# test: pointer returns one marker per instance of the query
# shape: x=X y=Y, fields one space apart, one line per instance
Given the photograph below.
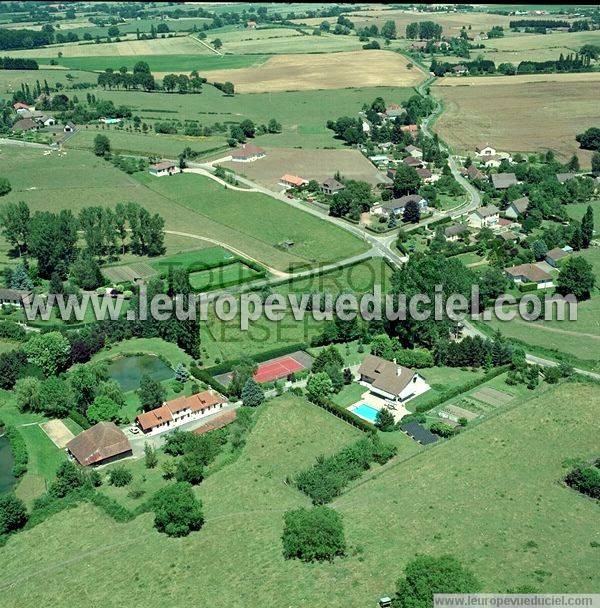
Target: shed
x=102 y=443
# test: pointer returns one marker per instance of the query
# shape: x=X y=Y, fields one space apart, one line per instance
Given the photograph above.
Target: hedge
x=80 y=419
x=444 y=220
x=204 y=376
x=18 y=448
x=463 y=388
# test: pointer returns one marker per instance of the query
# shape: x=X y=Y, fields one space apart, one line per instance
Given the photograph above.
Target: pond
x=7 y=479
x=128 y=371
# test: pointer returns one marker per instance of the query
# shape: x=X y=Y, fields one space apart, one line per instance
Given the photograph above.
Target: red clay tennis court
x=277 y=368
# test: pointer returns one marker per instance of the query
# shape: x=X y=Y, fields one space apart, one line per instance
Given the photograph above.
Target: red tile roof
x=217 y=423
x=293 y=179
x=100 y=442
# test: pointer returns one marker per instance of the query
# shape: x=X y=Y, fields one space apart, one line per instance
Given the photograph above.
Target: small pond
x=128 y=371
x=7 y=479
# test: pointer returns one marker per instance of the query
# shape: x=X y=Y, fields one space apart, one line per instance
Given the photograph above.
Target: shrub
x=442 y=429
x=18 y=447
x=119 y=476
x=315 y=534
x=69 y=477
x=13 y=514
x=177 y=512
x=585 y=479
x=190 y=468
x=385 y=420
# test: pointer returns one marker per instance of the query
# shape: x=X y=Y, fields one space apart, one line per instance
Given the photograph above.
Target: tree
x=5 y=186
x=85 y=272
x=539 y=249
x=26 y=393
x=150 y=457
x=13 y=514
x=84 y=381
x=53 y=241
x=14 y=222
x=412 y=213
x=576 y=276
x=69 y=477
x=101 y=145
x=388 y=30
x=241 y=372
x=587 y=227
x=190 y=468
x=406 y=180
x=216 y=43
x=573 y=164
x=177 y=512
x=596 y=163
x=590 y=139
x=119 y=476
x=54 y=397
x=385 y=420
x=20 y=279
x=103 y=408
x=315 y=534
x=252 y=393
x=49 y=351
x=150 y=393
x=319 y=387
x=426 y=575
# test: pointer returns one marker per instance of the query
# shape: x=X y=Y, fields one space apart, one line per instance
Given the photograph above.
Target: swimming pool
x=366 y=412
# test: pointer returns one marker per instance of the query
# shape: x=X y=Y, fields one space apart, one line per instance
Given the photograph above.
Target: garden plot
x=58 y=433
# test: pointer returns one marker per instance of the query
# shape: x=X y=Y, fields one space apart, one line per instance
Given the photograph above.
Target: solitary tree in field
x=101 y=145
x=177 y=512
x=576 y=277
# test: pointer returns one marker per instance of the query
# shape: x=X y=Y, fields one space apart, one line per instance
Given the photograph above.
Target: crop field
x=526 y=117
x=326 y=71
x=515 y=532
x=178 y=45
x=10 y=80
x=310 y=164
x=302 y=114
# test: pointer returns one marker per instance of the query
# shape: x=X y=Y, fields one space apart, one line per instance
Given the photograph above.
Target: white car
x=134 y=430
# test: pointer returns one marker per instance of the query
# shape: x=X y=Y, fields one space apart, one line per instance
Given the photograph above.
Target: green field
x=10 y=80
x=511 y=524
x=215 y=278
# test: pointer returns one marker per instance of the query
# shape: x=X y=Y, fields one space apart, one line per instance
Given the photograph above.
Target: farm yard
x=310 y=164
x=326 y=71
x=524 y=117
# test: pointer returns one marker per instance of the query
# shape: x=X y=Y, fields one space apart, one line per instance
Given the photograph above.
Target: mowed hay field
x=179 y=45
x=310 y=164
x=328 y=71
x=476 y=496
x=524 y=117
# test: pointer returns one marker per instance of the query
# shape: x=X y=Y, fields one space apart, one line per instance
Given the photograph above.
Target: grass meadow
x=476 y=496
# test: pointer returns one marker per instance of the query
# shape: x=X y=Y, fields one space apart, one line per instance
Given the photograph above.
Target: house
x=554 y=256
x=529 y=273
x=413 y=162
x=47 y=121
x=517 y=208
x=251 y=25
x=389 y=380
x=393 y=111
x=414 y=151
x=460 y=69
x=178 y=411
x=472 y=172
x=20 y=106
x=292 y=181
x=565 y=177
x=247 y=153
x=454 y=232
x=29 y=114
x=485 y=150
x=331 y=186
x=15 y=297
x=100 y=444
x=412 y=129
x=484 y=217
x=380 y=159
x=25 y=124
x=419 y=433
x=166 y=167
x=397 y=205
x=491 y=162
x=418 y=46
x=426 y=175
x=502 y=181
x=391 y=173
x=508 y=237
x=218 y=422
x=69 y=128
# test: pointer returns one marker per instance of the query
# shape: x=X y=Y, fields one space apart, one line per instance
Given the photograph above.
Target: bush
x=119 y=476
x=190 y=468
x=13 y=514
x=442 y=429
x=315 y=534
x=177 y=512
x=585 y=479
x=18 y=447
x=385 y=420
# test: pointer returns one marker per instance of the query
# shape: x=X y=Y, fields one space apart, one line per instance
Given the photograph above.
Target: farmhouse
x=25 y=124
x=460 y=69
x=502 y=181
x=472 y=172
x=529 y=273
x=47 y=121
x=20 y=106
x=517 y=208
x=69 y=128
x=554 y=256
x=179 y=411
x=103 y=443
x=15 y=297
x=485 y=150
x=389 y=380
x=247 y=153
x=454 y=232
x=484 y=217
x=508 y=237
x=166 y=167
x=331 y=186
x=413 y=162
x=414 y=151
x=292 y=181
x=412 y=129
x=426 y=175
x=491 y=162
x=393 y=111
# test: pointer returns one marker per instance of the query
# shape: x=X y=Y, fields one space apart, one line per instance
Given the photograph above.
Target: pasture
x=10 y=80
x=310 y=164
x=325 y=71
x=523 y=526
x=520 y=117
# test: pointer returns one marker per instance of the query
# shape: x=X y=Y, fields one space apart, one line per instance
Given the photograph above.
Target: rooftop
x=387 y=375
x=531 y=272
x=502 y=181
x=103 y=440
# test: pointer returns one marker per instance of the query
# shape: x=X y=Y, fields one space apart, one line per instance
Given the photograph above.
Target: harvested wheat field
x=327 y=71
x=484 y=81
x=527 y=117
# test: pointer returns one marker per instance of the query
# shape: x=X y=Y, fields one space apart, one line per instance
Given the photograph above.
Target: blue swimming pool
x=366 y=412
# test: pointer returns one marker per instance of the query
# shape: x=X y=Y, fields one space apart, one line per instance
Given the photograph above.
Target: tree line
x=18 y=63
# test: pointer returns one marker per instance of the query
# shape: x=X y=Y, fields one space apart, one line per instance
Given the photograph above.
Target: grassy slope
x=477 y=496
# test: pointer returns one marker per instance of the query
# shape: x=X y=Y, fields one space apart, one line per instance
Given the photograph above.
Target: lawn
x=153 y=346
x=349 y=394
x=216 y=278
x=475 y=496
